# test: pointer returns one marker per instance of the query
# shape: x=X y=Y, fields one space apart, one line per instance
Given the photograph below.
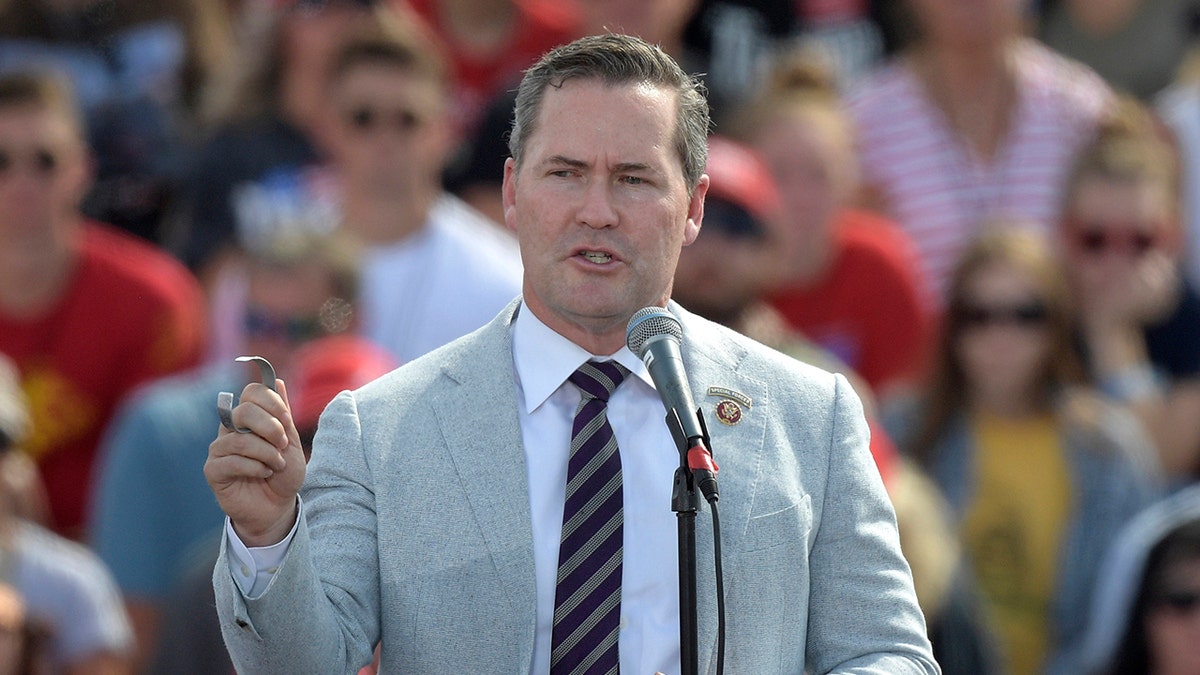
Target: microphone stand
x=685 y=502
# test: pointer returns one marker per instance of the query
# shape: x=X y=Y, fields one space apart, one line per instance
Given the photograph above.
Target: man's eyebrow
x=633 y=167
x=620 y=167
x=559 y=160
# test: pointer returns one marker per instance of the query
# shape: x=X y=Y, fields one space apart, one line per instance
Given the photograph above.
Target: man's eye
x=633 y=180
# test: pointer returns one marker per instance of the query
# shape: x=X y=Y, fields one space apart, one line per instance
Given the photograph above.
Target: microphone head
x=648 y=323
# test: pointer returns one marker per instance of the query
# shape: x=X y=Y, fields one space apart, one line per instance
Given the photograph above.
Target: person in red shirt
x=86 y=312
x=847 y=279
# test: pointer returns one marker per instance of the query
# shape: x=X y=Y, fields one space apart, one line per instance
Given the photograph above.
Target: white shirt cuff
x=253 y=568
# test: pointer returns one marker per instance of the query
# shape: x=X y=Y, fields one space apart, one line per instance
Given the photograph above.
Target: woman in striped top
x=972 y=122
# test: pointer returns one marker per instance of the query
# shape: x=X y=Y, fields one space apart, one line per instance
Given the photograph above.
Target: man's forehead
x=643 y=113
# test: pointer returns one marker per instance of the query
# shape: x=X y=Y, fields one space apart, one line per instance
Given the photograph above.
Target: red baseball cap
x=327 y=366
x=738 y=176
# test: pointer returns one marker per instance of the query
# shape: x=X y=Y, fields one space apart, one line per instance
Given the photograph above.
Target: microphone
x=655 y=336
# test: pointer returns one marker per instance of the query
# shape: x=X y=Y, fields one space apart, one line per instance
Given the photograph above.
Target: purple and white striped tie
x=587 y=602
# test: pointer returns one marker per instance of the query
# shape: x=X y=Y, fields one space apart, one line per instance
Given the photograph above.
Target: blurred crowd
x=985 y=212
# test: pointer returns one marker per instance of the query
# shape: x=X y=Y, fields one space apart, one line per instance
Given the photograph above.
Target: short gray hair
x=618 y=59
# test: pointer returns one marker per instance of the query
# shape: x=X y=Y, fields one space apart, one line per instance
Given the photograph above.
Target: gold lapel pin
x=729 y=408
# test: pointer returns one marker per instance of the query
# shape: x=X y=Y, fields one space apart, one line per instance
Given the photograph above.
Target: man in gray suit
x=441 y=514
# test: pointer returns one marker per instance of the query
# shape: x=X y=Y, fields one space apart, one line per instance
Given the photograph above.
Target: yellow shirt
x=1013 y=530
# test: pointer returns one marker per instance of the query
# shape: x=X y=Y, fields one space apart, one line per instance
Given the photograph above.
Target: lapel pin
x=729 y=409
x=729 y=412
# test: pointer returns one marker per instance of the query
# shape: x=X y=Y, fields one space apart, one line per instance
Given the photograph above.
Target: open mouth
x=597 y=257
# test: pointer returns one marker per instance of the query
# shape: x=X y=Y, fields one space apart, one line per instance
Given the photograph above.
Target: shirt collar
x=544 y=359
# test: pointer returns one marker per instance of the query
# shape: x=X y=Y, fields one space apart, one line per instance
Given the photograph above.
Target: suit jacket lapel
x=712 y=361
x=478 y=418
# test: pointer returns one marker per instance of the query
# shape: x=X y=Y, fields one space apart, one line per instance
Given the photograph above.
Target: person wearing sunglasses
x=152 y=512
x=434 y=269
x=263 y=120
x=87 y=312
x=1139 y=318
x=1146 y=612
x=1039 y=471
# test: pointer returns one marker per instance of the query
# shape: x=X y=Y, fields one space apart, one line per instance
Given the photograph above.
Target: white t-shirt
x=67 y=589
x=441 y=283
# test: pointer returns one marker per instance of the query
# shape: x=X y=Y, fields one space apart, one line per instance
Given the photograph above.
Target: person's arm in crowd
x=1115 y=338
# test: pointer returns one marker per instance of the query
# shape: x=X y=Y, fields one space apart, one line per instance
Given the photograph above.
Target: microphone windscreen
x=651 y=322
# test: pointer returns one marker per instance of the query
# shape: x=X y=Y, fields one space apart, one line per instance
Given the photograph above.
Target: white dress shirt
x=543 y=360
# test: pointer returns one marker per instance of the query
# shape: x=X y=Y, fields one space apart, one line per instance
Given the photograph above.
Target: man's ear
x=695 y=211
x=509 y=194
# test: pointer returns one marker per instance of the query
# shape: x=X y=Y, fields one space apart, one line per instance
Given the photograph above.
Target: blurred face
x=389 y=136
x=1114 y=225
x=1003 y=339
x=1172 y=622
x=284 y=311
x=810 y=157
x=43 y=175
x=1122 y=246
x=600 y=208
x=719 y=274
x=968 y=23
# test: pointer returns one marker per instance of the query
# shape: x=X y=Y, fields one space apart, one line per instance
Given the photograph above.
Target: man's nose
x=597 y=209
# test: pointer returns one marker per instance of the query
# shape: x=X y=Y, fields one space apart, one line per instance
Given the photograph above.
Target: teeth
x=597 y=257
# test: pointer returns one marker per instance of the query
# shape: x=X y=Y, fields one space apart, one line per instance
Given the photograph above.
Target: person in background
x=1146 y=609
x=87 y=312
x=1039 y=471
x=847 y=279
x=1139 y=317
x=71 y=620
x=970 y=122
x=258 y=168
x=151 y=512
x=437 y=518
x=722 y=276
x=140 y=70
x=433 y=268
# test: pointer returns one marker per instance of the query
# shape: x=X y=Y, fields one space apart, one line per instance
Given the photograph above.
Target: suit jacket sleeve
x=863 y=614
x=307 y=622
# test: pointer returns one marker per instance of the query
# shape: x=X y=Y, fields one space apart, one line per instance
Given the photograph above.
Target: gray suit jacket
x=417 y=527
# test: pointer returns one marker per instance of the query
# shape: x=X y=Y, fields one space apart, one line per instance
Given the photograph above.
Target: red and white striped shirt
x=938 y=188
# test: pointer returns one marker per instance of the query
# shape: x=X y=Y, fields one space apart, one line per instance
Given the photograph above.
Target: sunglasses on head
x=41 y=160
x=1025 y=314
x=366 y=119
x=1129 y=239
x=1179 y=602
